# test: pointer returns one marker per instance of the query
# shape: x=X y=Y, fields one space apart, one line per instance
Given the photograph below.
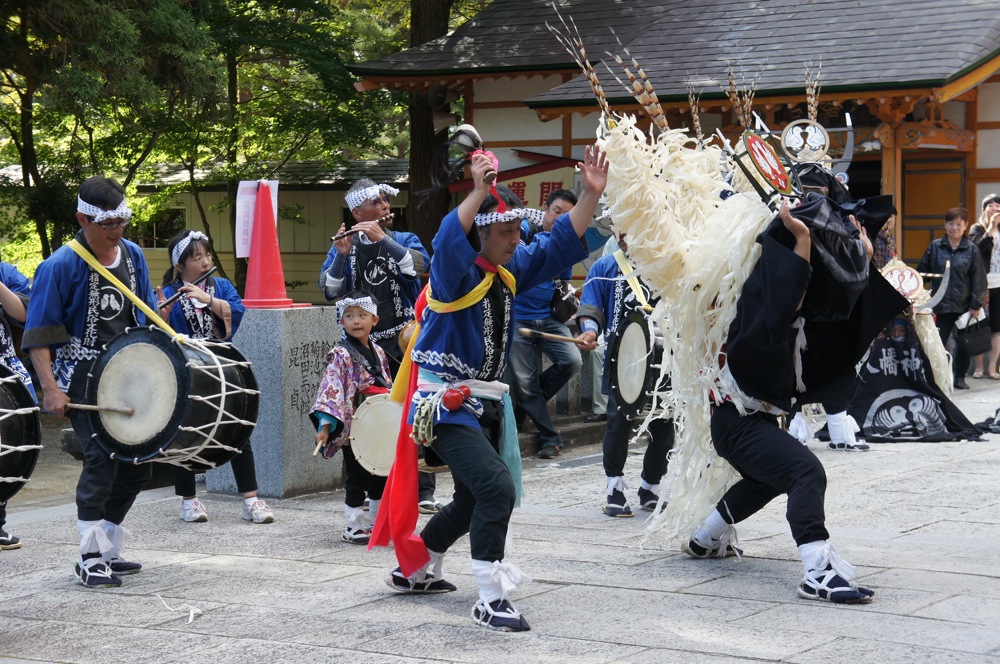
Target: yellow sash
x=400 y=385
x=474 y=295
x=633 y=282
x=127 y=292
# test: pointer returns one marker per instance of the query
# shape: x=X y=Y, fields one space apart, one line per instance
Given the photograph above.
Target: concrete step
x=574 y=430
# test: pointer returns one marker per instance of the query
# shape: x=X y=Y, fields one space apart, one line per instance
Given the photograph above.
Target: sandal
x=830 y=586
x=978 y=374
x=995 y=376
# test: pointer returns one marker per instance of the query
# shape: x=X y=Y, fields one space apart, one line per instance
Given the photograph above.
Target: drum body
x=635 y=365
x=195 y=401
x=20 y=434
x=374 y=430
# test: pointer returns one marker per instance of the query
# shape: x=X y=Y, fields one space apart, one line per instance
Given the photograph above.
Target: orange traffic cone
x=265 y=276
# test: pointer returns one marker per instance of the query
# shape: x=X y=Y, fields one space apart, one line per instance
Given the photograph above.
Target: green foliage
x=232 y=88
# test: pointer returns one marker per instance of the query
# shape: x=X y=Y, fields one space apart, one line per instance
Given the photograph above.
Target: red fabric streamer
x=397 y=513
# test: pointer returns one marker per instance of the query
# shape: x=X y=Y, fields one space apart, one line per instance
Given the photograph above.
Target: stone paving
x=921 y=522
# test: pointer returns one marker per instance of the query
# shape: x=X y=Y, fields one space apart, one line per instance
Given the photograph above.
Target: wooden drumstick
x=103 y=409
x=553 y=337
x=176 y=296
x=319 y=446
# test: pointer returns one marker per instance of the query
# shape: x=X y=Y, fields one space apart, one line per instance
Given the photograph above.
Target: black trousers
x=616 y=436
x=107 y=488
x=771 y=463
x=244 y=471
x=358 y=482
x=945 y=325
x=484 y=491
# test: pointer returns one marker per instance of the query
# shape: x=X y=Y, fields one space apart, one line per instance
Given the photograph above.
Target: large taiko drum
x=195 y=401
x=20 y=434
x=374 y=430
x=635 y=358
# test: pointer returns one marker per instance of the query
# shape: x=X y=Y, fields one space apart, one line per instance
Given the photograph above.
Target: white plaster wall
x=982 y=189
x=509 y=124
x=988 y=148
x=512 y=89
x=989 y=102
x=955 y=111
x=585 y=125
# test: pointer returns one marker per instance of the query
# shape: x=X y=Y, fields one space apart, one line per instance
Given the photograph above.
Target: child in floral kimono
x=356 y=368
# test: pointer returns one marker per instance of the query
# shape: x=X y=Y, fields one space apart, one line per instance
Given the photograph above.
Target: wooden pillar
x=892 y=175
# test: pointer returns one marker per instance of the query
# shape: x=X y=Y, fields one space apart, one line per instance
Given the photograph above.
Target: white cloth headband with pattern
x=121 y=212
x=359 y=197
x=175 y=255
x=365 y=303
x=534 y=216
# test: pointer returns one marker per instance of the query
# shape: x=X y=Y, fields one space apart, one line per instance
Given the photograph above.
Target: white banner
x=246 y=203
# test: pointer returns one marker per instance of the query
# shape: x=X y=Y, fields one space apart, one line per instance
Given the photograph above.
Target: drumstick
x=105 y=409
x=319 y=446
x=341 y=236
x=554 y=337
x=176 y=296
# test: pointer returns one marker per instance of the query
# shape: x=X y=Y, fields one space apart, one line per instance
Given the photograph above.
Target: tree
x=89 y=86
x=428 y=20
x=288 y=95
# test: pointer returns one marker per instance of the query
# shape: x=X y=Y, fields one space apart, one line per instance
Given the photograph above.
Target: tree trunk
x=428 y=20
x=232 y=74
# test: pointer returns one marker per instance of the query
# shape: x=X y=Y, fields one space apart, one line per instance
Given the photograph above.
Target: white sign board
x=246 y=204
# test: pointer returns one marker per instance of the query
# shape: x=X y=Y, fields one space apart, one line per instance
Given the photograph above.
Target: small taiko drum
x=374 y=430
x=20 y=434
x=635 y=358
x=195 y=402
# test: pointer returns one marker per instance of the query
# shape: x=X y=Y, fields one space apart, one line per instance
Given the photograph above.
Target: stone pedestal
x=287 y=348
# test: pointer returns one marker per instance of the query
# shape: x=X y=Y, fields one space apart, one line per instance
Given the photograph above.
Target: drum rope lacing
x=215 y=401
x=6 y=449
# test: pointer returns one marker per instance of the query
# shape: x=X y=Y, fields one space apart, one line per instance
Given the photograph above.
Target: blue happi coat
x=185 y=317
x=19 y=285
x=453 y=345
x=65 y=307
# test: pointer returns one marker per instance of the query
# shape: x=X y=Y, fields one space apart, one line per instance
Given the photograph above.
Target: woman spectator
x=966 y=284
x=984 y=234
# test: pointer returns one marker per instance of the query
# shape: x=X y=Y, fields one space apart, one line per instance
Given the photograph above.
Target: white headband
x=175 y=255
x=99 y=215
x=359 y=197
x=534 y=216
x=365 y=303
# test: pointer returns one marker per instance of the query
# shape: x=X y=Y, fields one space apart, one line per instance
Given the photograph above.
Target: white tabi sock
x=436 y=564
x=93 y=539
x=800 y=429
x=372 y=513
x=496 y=579
x=616 y=483
x=117 y=536
x=820 y=554
x=711 y=530
x=835 y=423
x=354 y=517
